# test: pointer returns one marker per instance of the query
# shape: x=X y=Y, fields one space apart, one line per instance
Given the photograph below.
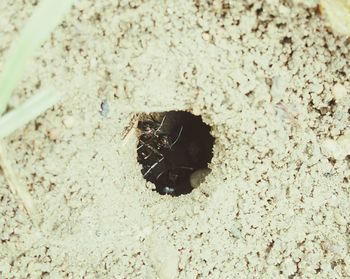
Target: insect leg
x=142 y=145
x=146 y=157
x=153 y=166
x=151 y=148
x=159 y=175
x=185 y=168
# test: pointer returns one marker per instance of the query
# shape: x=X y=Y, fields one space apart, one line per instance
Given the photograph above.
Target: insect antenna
x=160 y=126
x=178 y=137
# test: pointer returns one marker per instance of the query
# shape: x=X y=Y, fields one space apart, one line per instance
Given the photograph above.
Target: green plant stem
x=28 y=111
x=45 y=18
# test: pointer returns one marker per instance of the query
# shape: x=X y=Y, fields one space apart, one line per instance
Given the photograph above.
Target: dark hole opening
x=173 y=146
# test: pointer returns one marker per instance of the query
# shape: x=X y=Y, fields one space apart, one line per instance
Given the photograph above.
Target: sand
x=270 y=78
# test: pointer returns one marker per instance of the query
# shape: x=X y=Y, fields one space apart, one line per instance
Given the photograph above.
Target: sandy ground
x=271 y=80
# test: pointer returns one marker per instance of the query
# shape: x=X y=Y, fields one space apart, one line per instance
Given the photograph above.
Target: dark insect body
x=168 y=151
x=155 y=145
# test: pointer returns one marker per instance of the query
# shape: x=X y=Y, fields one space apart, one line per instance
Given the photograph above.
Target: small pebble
x=198 y=177
x=344 y=143
x=339 y=219
x=68 y=121
x=338 y=149
x=53 y=134
x=104 y=108
x=206 y=36
x=339 y=91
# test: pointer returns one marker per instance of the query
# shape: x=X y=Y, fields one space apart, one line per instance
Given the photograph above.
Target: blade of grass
x=16 y=187
x=45 y=18
x=28 y=111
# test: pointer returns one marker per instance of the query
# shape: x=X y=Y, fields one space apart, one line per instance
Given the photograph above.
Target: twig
x=127 y=134
x=16 y=187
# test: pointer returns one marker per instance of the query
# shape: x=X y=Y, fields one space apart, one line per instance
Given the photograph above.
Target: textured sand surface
x=271 y=80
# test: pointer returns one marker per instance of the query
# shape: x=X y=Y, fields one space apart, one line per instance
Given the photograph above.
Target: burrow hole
x=174 y=149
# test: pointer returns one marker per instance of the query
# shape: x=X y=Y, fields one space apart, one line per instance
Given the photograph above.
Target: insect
x=171 y=146
x=151 y=127
x=153 y=133
x=157 y=139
